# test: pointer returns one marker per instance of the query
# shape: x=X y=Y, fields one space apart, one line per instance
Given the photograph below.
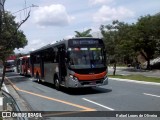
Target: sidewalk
x=12 y=101
x=133 y=71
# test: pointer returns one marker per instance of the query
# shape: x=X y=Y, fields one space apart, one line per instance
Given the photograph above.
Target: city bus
x=72 y=63
x=23 y=65
x=10 y=66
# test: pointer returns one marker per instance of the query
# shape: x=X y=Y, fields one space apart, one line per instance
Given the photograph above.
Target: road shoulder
x=134 y=81
x=22 y=104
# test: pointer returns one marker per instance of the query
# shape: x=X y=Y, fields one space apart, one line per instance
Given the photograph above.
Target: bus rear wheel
x=57 y=84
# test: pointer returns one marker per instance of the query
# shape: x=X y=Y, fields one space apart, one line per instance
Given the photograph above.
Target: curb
x=135 y=81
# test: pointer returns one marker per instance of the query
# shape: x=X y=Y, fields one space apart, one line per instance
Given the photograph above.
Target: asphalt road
x=117 y=96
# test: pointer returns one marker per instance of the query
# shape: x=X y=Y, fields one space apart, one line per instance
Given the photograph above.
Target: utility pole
x=1 y=18
x=1 y=9
x=1 y=15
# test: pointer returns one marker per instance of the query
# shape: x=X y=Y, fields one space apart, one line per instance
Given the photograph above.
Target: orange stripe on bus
x=91 y=76
x=37 y=69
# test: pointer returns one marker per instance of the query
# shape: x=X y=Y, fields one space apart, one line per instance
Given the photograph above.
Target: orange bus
x=23 y=65
x=77 y=62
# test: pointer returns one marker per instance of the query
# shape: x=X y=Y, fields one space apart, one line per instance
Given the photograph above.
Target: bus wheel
x=57 y=84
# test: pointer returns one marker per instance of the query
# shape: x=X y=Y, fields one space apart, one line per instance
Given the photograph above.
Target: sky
x=55 y=20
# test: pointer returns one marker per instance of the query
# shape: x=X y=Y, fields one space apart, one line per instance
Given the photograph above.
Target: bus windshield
x=10 y=63
x=80 y=58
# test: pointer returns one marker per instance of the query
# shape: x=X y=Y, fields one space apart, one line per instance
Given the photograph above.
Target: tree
x=118 y=42
x=10 y=35
x=126 y=40
x=109 y=36
x=147 y=36
x=84 y=33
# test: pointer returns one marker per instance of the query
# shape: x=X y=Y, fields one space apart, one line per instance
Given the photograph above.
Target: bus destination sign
x=85 y=42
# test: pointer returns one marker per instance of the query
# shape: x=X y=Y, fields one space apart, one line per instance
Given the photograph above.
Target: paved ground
x=117 y=96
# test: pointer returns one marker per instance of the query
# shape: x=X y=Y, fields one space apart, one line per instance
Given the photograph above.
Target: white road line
x=98 y=104
x=1 y=101
x=5 y=88
x=151 y=95
x=31 y=79
x=135 y=81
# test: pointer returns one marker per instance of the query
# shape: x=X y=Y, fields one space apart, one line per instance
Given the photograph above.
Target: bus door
x=42 y=66
x=20 y=66
x=62 y=64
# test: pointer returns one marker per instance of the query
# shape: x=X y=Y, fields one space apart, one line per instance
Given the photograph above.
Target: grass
x=137 y=77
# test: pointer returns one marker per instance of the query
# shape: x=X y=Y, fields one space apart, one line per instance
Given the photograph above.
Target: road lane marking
x=98 y=104
x=5 y=88
x=1 y=101
x=52 y=99
x=151 y=95
x=134 y=81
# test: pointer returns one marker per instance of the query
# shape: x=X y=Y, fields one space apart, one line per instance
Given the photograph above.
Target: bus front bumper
x=75 y=83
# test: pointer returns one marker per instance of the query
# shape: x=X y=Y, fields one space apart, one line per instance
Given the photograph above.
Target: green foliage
x=147 y=38
x=124 y=40
x=11 y=37
x=84 y=33
x=118 y=41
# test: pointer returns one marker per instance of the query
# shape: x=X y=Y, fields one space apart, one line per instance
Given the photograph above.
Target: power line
x=25 y=8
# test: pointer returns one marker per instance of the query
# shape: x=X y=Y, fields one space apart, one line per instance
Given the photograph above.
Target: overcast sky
x=55 y=20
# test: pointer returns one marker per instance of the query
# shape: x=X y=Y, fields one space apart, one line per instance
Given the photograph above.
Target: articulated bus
x=72 y=63
x=23 y=65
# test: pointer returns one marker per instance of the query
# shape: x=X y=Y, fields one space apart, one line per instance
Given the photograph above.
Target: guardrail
x=9 y=104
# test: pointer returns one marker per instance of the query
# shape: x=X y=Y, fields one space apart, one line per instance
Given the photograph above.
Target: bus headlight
x=73 y=77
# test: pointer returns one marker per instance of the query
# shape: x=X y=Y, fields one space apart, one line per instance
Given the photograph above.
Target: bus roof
x=60 y=43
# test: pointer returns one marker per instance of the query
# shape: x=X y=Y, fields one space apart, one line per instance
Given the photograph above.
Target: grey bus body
x=57 y=64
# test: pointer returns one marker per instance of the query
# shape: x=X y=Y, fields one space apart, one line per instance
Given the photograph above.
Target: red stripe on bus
x=90 y=76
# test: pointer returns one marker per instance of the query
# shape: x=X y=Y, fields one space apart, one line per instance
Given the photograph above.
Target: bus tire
x=57 y=84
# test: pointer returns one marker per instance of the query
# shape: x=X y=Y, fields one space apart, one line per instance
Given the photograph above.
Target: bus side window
x=48 y=55
x=53 y=57
x=56 y=55
x=37 y=59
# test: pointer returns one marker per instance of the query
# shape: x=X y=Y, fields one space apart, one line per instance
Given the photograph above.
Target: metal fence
x=9 y=104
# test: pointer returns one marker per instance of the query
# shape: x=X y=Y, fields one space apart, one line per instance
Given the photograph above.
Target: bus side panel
x=49 y=71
